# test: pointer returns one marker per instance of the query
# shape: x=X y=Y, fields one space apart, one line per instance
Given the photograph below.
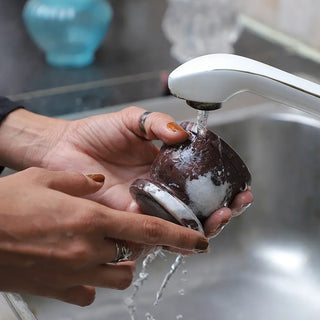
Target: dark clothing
x=7 y=106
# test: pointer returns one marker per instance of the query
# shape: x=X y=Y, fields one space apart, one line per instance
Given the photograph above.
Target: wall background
x=297 y=18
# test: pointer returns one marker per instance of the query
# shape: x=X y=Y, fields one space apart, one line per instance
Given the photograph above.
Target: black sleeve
x=7 y=106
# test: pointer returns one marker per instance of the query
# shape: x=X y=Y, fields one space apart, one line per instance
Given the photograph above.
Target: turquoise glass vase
x=68 y=31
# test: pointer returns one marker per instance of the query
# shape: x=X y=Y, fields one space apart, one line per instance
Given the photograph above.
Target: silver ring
x=123 y=251
x=142 y=120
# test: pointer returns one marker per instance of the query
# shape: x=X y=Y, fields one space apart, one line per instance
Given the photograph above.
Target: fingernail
x=202 y=244
x=173 y=126
x=97 y=177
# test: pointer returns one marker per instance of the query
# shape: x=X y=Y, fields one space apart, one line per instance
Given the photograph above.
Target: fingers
x=153 y=126
x=81 y=285
x=76 y=184
x=78 y=295
x=114 y=276
x=72 y=183
x=241 y=202
x=217 y=221
x=149 y=230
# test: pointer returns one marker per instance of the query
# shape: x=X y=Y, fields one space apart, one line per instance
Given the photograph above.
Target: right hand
x=55 y=244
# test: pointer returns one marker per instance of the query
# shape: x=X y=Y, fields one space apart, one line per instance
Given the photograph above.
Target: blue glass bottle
x=68 y=31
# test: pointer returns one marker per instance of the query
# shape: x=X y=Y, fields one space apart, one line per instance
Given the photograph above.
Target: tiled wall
x=298 y=18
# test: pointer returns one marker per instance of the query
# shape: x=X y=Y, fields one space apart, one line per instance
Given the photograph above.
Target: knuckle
x=78 y=255
x=153 y=230
x=133 y=109
x=86 y=219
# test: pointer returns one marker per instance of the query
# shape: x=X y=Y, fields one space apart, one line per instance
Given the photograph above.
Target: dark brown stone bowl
x=189 y=181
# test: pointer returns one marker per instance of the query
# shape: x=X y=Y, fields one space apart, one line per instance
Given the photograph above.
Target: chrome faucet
x=208 y=81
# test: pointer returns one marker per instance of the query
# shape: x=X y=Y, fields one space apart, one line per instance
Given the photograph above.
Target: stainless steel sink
x=266 y=263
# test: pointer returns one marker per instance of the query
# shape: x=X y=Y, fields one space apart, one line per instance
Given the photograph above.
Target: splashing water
x=184 y=274
x=181 y=292
x=179 y=260
x=138 y=283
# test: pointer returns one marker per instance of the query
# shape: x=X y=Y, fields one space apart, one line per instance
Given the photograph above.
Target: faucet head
x=197 y=82
x=207 y=81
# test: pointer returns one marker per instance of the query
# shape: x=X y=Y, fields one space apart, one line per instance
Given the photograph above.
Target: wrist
x=25 y=138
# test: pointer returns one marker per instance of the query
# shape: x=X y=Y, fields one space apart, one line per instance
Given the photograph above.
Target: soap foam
x=204 y=195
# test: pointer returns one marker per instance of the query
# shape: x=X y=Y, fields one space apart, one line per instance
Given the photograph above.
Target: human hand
x=114 y=145
x=219 y=219
x=54 y=243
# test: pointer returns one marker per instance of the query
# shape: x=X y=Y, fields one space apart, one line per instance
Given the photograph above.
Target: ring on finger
x=142 y=120
x=123 y=252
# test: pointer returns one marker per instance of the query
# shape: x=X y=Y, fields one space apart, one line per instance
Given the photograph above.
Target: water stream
x=173 y=269
x=202 y=119
x=138 y=283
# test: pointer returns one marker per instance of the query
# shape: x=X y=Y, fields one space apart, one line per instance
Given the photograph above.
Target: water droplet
x=179 y=317
x=181 y=292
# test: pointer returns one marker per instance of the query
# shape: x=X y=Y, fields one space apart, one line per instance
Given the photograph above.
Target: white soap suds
x=204 y=195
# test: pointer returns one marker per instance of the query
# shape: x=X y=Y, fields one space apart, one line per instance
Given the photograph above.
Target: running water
x=202 y=119
x=179 y=260
x=143 y=275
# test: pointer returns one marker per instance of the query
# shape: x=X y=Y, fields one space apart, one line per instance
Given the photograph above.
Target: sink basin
x=265 y=264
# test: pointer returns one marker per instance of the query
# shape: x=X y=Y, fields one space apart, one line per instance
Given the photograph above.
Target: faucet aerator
x=204 y=106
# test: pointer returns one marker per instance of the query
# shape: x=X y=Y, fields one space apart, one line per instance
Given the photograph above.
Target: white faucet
x=208 y=81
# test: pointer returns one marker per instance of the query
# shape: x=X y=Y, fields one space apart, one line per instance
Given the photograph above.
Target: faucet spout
x=210 y=80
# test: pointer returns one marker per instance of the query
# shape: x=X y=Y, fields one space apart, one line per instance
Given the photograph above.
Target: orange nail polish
x=173 y=126
x=202 y=244
x=97 y=177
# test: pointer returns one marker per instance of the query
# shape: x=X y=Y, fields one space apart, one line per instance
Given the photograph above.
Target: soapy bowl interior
x=266 y=263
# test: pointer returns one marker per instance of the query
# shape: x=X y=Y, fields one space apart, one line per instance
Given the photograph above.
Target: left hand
x=114 y=145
